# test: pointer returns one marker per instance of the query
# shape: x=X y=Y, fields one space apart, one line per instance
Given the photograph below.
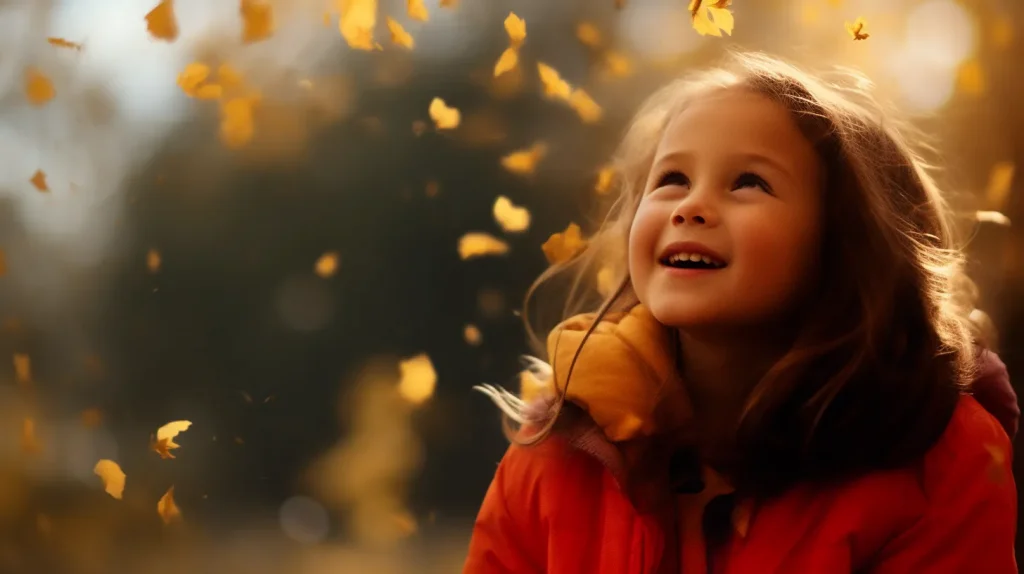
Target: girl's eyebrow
x=745 y=157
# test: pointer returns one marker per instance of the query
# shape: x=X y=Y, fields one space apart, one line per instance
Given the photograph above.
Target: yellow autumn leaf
x=585 y=106
x=554 y=85
x=711 y=18
x=606 y=283
x=479 y=244
x=1000 y=180
x=210 y=92
x=163 y=442
x=327 y=264
x=856 y=29
x=38 y=88
x=192 y=77
x=166 y=507
x=229 y=77
x=399 y=35
x=39 y=180
x=563 y=246
x=112 y=476
x=605 y=178
x=617 y=65
x=445 y=118
x=29 y=443
x=525 y=161
x=511 y=218
x=257 y=20
x=516 y=29
x=153 y=261
x=508 y=61
x=449 y=3
x=418 y=379
x=417 y=10
x=992 y=217
x=357 y=21
x=62 y=43
x=236 y=122
x=161 y=23
x=472 y=335
x=588 y=35
x=23 y=369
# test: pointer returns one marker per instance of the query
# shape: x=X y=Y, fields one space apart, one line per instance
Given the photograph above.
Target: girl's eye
x=751 y=180
x=673 y=178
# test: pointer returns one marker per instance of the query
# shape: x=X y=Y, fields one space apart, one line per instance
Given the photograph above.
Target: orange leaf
x=112 y=476
x=508 y=61
x=586 y=107
x=554 y=85
x=418 y=379
x=327 y=264
x=617 y=65
x=236 y=122
x=257 y=20
x=399 y=35
x=153 y=260
x=444 y=117
x=1000 y=180
x=449 y=3
x=516 y=29
x=29 y=442
x=605 y=178
x=588 y=34
x=166 y=507
x=472 y=335
x=525 y=161
x=161 y=23
x=23 y=369
x=192 y=77
x=163 y=442
x=511 y=218
x=562 y=247
x=38 y=88
x=478 y=244
x=357 y=21
x=39 y=180
x=62 y=43
x=417 y=11
x=856 y=29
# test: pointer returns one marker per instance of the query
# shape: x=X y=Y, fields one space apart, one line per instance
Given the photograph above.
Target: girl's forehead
x=730 y=116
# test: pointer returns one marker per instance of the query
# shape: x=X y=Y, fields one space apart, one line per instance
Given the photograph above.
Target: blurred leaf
x=508 y=61
x=511 y=218
x=1000 y=180
x=445 y=118
x=399 y=36
x=418 y=379
x=554 y=85
x=327 y=264
x=39 y=180
x=417 y=10
x=585 y=107
x=711 y=18
x=161 y=23
x=166 y=507
x=857 y=29
x=153 y=261
x=525 y=161
x=29 y=443
x=23 y=369
x=163 y=443
x=38 y=88
x=478 y=244
x=605 y=179
x=257 y=20
x=112 y=476
x=588 y=35
x=236 y=124
x=472 y=335
x=563 y=246
x=357 y=21
x=62 y=43
x=516 y=29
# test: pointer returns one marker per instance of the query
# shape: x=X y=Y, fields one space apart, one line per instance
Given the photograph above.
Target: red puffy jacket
x=562 y=507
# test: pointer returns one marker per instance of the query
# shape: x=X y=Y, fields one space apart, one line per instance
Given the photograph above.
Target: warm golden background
x=269 y=247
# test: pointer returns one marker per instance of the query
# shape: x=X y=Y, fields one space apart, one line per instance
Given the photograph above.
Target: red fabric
x=554 y=509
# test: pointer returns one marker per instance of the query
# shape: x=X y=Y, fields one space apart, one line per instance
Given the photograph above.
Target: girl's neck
x=720 y=370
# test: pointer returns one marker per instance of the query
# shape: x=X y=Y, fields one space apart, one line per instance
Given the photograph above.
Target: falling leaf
x=418 y=378
x=617 y=65
x=1000 y=180
x=606 y=283
x=588 y=34
x=711 y=18
x=236 y=122
x=971 y=78
x=516 y=29
x=525 y=161
x=508 y=61
x=166 y=507
x=992 y=217
x=399 y=35
x=228 y=77
x=23 y=369
x=153 y=261
x=112 y=476
x=563 y=246
x=478 y=244
x=327 y=264
x=29 y=442
x=417 y=11
x=210 y=92
x=605 y=178
x=472 y=335
x=163 y=443
x=62 y=43
x=449 y=3
x=39 y=180
x=92 y=418
x=192 y=77
x=257 y=20
x=585 y=106
x=856 y=29
x=161 y=23
x=38 y=88
x=444 y=117
x=554 y=85
x=357 y=21
x=511 y=218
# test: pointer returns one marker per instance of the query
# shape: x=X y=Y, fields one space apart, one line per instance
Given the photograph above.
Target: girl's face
x=727 y=232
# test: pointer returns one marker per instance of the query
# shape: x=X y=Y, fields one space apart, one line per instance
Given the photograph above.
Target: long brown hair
x=875 y=372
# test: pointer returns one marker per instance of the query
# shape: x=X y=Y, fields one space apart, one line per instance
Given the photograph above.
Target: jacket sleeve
x=970 y=519
x=507 y=539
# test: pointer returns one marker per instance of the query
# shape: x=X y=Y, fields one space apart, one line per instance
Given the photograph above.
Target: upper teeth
x=695 y=257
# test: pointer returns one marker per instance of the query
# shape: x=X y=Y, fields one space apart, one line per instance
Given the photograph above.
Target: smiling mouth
x=691 y=261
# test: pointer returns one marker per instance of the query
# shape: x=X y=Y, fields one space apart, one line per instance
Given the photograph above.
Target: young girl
x=782 y=382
